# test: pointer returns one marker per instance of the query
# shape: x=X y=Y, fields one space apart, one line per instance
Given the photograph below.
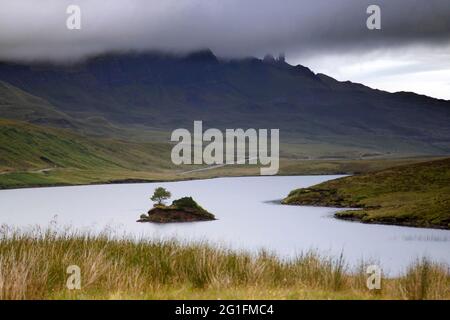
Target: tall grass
x=426 y=280
x=33 y=266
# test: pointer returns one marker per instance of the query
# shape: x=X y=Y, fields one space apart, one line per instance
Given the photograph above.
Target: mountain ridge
x=160 y=91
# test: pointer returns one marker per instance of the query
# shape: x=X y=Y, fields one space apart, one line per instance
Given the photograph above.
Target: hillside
x=147 y=93
x=412 y=195
x=17 y=104
x=34 y=155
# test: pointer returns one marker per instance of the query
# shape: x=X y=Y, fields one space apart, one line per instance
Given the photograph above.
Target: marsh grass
x=33 y=265
x=426 y=280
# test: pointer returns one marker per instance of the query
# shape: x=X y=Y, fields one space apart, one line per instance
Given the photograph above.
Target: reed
x=33 y=265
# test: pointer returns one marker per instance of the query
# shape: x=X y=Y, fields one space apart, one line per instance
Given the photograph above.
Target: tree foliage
x=160 y=195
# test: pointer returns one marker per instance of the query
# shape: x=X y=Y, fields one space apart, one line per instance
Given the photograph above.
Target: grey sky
x=311 y=32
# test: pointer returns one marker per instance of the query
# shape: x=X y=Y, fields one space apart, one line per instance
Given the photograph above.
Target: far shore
x=67 y=177
x=139 y=181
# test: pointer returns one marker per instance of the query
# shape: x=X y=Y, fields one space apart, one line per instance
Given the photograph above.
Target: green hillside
x=32 y=156
x=35 y=155
x=412 y=195
x=17 y=104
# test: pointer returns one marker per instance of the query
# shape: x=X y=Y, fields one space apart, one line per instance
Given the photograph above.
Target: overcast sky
x=411 y=52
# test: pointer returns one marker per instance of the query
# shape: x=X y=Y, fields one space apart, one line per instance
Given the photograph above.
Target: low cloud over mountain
x=37 y=30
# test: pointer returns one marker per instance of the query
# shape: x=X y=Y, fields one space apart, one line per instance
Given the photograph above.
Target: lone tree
x=160 y=195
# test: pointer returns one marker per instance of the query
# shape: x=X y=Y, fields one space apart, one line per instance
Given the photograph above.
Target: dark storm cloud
x=32 y=29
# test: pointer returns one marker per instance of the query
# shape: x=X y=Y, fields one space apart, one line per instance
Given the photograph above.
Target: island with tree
x=184 y=209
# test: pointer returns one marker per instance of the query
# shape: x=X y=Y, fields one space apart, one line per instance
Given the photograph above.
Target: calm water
x=247 y=219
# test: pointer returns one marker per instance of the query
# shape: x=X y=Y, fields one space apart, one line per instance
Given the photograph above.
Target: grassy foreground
x=412 y=195
x=33 y=265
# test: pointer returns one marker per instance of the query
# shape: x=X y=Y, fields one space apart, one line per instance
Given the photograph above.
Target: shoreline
x=360 y=220
x=387 y=223
x=415 y=195
x=139 y=181
x=291 y=168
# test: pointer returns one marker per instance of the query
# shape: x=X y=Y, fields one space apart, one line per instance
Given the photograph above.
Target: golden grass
x=33 y=266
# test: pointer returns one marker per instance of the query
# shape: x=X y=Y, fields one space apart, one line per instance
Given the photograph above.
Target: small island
x=184 y=209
